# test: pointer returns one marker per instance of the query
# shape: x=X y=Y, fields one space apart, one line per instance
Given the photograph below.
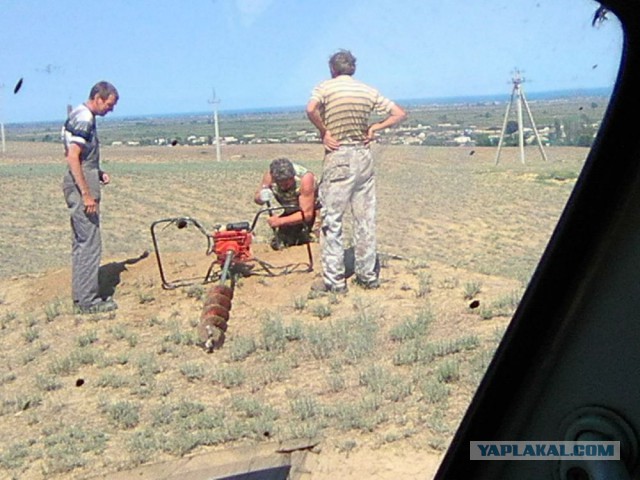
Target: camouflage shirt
x=289 y=198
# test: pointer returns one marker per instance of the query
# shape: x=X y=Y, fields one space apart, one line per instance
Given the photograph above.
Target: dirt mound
x=154 y=324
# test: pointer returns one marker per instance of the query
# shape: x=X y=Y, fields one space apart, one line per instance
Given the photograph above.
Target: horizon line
x=410 y=102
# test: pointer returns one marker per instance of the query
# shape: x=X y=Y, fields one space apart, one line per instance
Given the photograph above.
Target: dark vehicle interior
x=567 y=366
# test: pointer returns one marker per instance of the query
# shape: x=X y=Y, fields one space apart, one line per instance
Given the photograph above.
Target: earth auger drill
x=230 y=246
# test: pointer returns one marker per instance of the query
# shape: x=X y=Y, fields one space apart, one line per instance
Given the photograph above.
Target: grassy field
x=384 y=371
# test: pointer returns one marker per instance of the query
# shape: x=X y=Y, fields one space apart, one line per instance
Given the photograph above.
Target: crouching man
x=294 y=188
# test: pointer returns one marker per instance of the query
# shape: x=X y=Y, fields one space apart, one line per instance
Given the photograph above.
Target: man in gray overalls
x=340 y=109
x=81 y=186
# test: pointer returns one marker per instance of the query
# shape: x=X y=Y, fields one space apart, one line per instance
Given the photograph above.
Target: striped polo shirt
x=80 y=128
x=346 y=105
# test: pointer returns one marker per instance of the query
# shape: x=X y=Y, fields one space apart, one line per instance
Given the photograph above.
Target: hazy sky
x=166 y=56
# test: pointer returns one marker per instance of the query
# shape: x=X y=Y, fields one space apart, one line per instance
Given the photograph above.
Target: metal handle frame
x=185 y=221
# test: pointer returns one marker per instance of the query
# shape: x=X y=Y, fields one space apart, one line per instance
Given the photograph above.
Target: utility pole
x=214 y=101
x=518 y=94
x=4 y=148
x=16 y=89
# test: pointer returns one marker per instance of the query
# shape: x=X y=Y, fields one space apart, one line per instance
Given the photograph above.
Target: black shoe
x=100 y=306
x=370 y=285
x=277 y=244
x=320 y=287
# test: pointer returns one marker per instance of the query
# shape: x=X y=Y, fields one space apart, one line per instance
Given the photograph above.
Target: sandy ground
x=446 y=217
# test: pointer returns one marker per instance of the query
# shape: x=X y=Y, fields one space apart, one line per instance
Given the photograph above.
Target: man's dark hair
x=103 y=90
x=281 y=169
x=342 y=63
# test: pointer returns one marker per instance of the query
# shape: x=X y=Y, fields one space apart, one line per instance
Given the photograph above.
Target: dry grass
x=373 y=369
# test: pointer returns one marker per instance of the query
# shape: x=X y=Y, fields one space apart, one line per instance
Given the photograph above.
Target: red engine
x=237 y=241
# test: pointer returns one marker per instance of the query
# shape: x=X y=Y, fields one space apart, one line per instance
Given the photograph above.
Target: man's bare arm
x=313 y=113
x=396 y=115
x=75 y=166
x=266 y=183
x=306 y=202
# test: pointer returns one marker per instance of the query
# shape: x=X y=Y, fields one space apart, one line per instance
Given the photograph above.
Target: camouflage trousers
x=348 y=182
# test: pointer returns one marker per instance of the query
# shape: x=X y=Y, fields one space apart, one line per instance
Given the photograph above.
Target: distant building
x=462 y=140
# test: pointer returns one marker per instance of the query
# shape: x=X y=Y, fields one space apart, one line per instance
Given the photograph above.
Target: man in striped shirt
x=340 y=108
x=81 y=186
